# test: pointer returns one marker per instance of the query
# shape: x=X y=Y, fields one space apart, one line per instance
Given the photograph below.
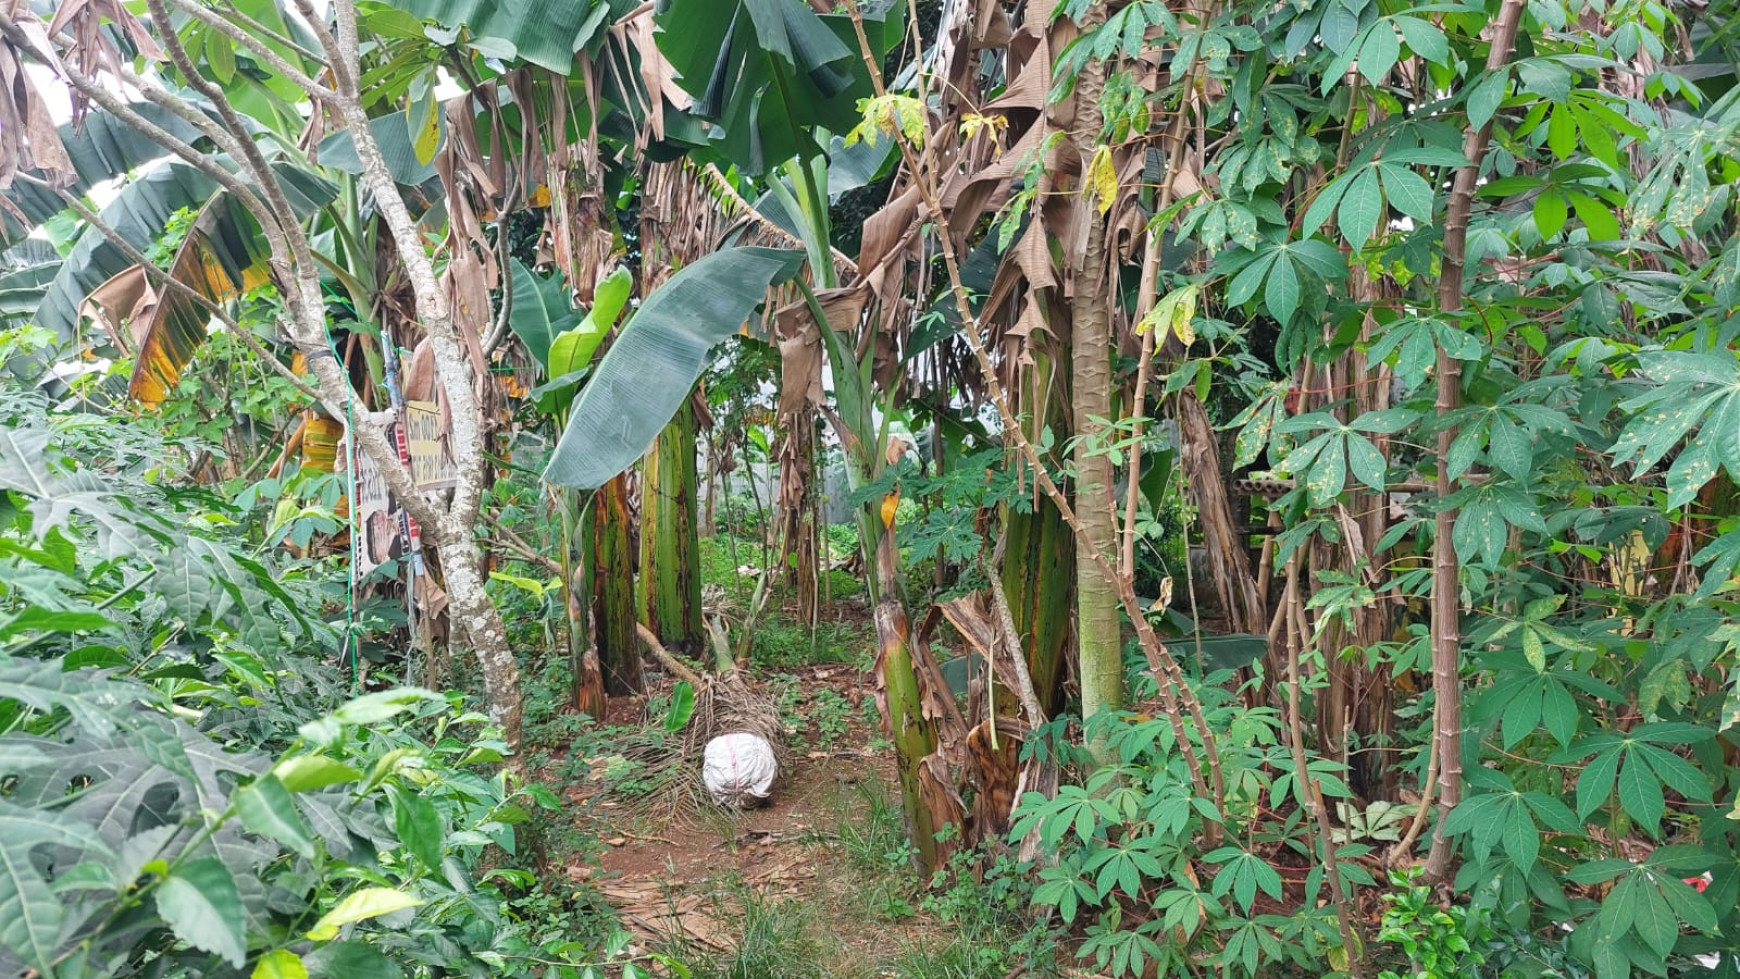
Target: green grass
x=961 y=956
x=783 y=645
x=775 y=940
x=872 y=833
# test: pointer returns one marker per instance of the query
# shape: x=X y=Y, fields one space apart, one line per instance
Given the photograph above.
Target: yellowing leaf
x=280 y=964
x=973 y=123
x=423 y=117
x=1174 y=315
x=1101 y=185
x=1534 y=650
x=172 y=328
x=370 y=902
x=890 y=506
x=888 y=115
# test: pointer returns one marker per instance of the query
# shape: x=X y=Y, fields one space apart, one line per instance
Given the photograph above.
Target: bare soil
x=674 y=877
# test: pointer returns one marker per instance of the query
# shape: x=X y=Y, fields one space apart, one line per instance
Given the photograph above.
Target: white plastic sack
x=738 y=769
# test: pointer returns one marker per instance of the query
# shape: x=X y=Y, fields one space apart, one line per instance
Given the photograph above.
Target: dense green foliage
x=188 y=785
x=1458 y=279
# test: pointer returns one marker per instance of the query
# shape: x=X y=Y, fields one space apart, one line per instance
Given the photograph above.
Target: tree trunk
x=612 y=589
x=1098 y=629
x=670 y=561
x=481 y=626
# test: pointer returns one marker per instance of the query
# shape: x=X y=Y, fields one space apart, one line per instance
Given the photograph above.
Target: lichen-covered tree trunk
x=611 y=586
x=670 y=579
x=481 y=626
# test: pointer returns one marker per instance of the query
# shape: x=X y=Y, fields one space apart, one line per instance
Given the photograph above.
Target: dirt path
x=680 y=880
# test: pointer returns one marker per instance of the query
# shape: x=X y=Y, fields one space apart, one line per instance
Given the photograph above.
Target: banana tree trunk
x=670 y=561
x=1099 y=632
x=611 y=587
x=588 y=677
x=1039 y=578
x=1100 y=649
x=799 y=537
x=913 y=734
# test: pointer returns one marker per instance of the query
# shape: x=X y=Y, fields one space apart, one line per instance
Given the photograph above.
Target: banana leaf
x=219 y=262
x=546 y=33
x=100 y=148
x=768 y=73
x=571 y=352
x=647 y=373
x=26 y=269
x=849 y=168
x=541 y=312
x=139 y=213
x=338 y=151
x=563 y=339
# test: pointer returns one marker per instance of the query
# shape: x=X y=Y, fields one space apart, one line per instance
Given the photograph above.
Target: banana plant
x=647 y=373
x=862 y=426
x=563 y=341
x=767 y=76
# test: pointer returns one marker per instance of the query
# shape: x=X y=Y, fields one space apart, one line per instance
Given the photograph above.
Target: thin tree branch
x=1012 y=636
x=114 y=105
x=335 y=61
x=236 y=14
x=300 y=252
x=224 y=25
x=1446 y=569
x=499 y=331
x=515 y=543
